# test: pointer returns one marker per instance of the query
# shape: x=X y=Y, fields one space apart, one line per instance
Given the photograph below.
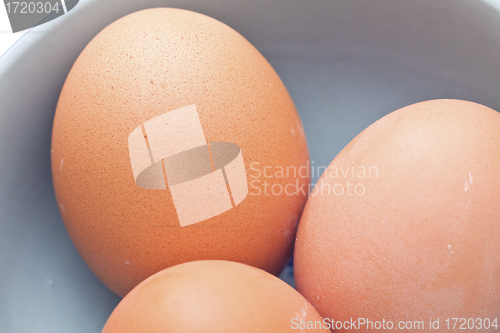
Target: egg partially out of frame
x=404 y=225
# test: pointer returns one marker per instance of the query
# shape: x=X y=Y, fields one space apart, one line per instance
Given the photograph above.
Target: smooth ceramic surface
x=345 y=64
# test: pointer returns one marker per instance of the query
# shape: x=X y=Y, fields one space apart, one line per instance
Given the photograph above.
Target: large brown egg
x=161 y=133
x=404 y=225
x=214 y=296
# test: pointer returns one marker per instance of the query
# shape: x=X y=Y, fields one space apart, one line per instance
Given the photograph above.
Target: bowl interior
x=345 y=64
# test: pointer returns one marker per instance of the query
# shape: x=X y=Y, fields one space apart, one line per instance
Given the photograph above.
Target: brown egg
x=213 y=296
x=161 y=133
x=415 y=235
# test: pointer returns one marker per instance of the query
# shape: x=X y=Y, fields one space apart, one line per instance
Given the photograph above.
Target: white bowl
x=345 y=64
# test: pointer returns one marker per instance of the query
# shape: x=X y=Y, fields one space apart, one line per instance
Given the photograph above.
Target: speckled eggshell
x=422 y=240
x=213 y=296
x=144 y=65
